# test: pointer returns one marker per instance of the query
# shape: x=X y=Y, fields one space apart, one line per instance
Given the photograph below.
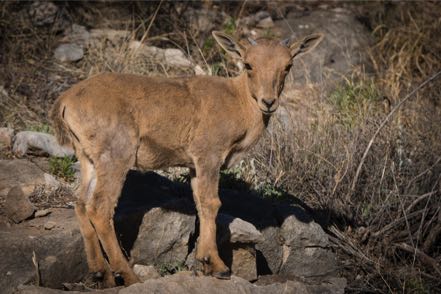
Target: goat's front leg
x=205 y=183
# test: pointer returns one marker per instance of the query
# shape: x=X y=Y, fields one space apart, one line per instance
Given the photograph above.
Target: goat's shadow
x=144 y=191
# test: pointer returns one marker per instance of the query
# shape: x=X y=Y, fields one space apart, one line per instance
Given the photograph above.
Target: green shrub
x=170 y=268
x=42 y=128
x=353 y=99
x=230 y=26
x=63 y=167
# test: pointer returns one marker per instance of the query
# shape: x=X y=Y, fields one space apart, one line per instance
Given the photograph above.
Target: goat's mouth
x=268 y=111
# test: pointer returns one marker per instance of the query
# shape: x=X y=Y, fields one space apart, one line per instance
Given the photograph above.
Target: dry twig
x=421 y=255
x=383 y=123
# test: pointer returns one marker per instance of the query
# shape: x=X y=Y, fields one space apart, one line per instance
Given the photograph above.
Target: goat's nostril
x=268 y=102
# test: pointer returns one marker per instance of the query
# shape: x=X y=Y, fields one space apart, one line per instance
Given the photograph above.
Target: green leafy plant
x=63 y=167
x=269 y=191
x=216 y=69
x=42 y=128
x=230 y=26
x=232 y=179
x=170 y=268
x=208 y=45
x=352 y=100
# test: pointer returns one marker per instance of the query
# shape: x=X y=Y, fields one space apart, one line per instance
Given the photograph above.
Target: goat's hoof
x=119 y=280
x=225 y=275
x=98 y=276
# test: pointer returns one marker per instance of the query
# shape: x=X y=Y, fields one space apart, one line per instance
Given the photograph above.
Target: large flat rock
x=185 y=283
x=156 y=222
x=58 y=251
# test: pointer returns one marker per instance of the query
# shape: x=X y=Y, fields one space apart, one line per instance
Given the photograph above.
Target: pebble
x=49 y=225
x=42 y=212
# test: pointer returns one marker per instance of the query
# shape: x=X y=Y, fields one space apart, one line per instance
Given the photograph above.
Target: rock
x=145 y=272
x=269 y=252
x=184 y=283
x=43 y=13
x=17 y=205
x=49 y=225
x=201 y=19
x=42 y=141
x=170 y=56
x=164 y=235
x=175 y=57
x=306 y=251
x=236 y=230
x=332 y=285
x=254 y=19
x=59 y=252
x=22 y=173
x=199 y=71
x=68 y=52
x=344 y=46
x=77 y=34
x=298 y=232
x=42 y=213
x=115 y=37
x=155 y=221
x=50 y=181
x=265 y=23
x=244 y=263
x=6 y=135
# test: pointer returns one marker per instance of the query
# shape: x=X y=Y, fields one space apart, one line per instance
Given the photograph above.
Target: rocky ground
x=276 y=244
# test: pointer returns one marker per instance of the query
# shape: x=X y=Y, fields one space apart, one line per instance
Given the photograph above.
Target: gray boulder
x=164 y=235
x=170 y=56
x=185 y=283
x=270 y=251
x=145 y=272
x=22 y=173
x=243 y=263
x=43 y=13
x=77 y=34
x=306 y=249
x=343 y=47
x=156 y=223
x=68 y=52
x=236 y=230
x=59 y=252
x=17 y=205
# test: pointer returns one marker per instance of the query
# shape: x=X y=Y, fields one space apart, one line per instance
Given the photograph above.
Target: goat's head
x=267 y=64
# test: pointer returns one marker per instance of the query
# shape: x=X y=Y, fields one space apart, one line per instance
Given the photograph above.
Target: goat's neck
x=248 y=102
x=257 y=122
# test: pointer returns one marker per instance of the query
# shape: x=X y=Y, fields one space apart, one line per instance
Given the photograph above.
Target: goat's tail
x=61 y=130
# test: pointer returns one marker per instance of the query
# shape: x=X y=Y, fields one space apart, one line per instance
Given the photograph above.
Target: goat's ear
x=230 y=45
x=304 y=45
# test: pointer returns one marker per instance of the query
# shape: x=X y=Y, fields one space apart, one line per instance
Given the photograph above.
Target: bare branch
x=383 y=123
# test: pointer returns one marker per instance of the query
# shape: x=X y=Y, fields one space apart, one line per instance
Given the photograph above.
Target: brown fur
x=119 y=121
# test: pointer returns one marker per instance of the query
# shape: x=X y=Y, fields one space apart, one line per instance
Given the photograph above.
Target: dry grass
x=388 y=229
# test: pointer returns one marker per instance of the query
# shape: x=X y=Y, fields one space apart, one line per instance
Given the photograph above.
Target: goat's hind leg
x=100 y=209
x=98 y=266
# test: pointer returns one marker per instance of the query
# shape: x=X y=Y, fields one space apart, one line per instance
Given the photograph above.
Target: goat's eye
x=248 y=66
